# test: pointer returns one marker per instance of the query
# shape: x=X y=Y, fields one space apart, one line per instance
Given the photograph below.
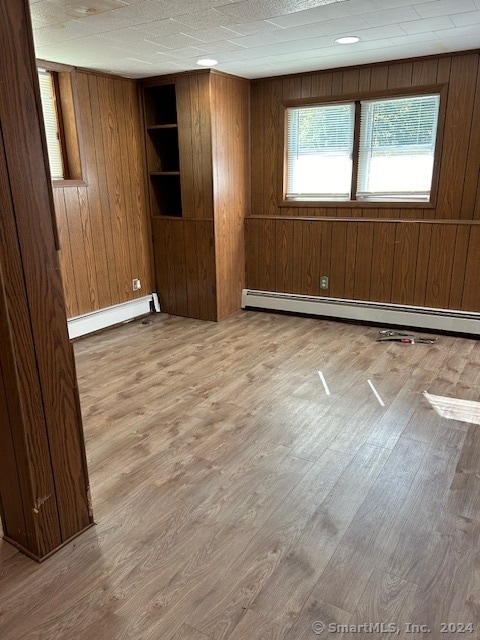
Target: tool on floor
x=388 y=335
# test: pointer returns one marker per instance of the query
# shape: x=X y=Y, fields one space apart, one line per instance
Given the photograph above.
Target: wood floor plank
x=464 y=495
x=235 y=499
x=406 y=549
x=384 y=601
x=344 y=579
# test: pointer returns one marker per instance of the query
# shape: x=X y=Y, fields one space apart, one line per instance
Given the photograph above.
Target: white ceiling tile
x=377 y=33
x=138 y=38
x=390 y=16
x=463 y=19
x=444 y=7
x=186 y=52
x=251 y=28
x=342 y=25
x=423 y=26
x=462 y=43
x=391 y=4
x=107 y=21
x=179 y=41
x=221 y=46
x=159 y=28
x=246 y=10
x=467 y=30
x=328 y=12
x=125 y=35
x=257 y=40
x=205 y=19
x=62 y=33
x=213 y=34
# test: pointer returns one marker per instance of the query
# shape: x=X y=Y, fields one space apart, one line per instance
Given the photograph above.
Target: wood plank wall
x=410 y=256
x=200 y=257
x=103 y=226
x=231 y=186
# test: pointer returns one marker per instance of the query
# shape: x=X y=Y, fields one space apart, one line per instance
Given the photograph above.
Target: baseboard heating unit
x=110 y=316
x=373 y=312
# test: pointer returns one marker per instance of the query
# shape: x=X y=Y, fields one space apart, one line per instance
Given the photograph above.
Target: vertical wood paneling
x=231 y=185
x=267 y=249
x=364 y=259
x=206 y=270
x=65 y=254
x=273 y=137
x=400 y=75
x=164 y=285
x=458 y=124
x=411 y=263
x=351 y=259
x=383 y=251
x=297 y=255
x=440 y=266
x=186 y=142
x=311 y=257
x=178 y=249
x=83 y=276
x=472 y=172
x=257 y=115
x=284 y=252
x=459 y=282
x=406 y=246
x=191 y=270
x=97 y=199
x=197 y=118
x=104 y=225
x=421 y=265
x=338 y=261
x=36 y=359
x=322 y=84
x=471 y=295
x=252 y=257
x=96 y=175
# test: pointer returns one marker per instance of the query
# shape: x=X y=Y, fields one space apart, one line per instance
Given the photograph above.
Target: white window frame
x=357 y=196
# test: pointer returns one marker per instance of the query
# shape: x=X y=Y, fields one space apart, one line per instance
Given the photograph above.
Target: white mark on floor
x=324 y=382
x=377 y=395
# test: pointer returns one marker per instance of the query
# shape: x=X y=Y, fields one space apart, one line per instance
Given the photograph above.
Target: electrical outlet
x=136 y=284
x=323 y=282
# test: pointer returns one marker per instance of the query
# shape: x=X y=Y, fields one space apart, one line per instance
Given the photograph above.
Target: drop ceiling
x=249 y=38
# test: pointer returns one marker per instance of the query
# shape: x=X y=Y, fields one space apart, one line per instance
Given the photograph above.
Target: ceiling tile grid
x=250 y=38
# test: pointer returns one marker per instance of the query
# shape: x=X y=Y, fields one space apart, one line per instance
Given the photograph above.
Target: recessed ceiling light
x=347 y=40
x=207 y=62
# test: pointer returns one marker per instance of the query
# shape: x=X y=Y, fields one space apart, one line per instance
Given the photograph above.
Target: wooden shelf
x=164 y=173
x=156 y=127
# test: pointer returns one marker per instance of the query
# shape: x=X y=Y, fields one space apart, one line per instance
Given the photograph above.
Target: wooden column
x=43 y=472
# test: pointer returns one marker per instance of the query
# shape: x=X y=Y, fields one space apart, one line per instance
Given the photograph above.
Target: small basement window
x=52 y=126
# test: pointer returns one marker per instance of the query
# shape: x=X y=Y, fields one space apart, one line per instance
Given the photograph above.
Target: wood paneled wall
x=103 y=226
x=411 y=256
x=44 y=496
x=200 y=257
x=231 y=186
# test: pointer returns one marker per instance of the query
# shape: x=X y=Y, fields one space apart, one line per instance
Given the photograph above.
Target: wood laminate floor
x=236 y=500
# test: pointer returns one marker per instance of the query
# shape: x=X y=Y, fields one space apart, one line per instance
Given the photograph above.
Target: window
x=51 y=120
x=390 y=160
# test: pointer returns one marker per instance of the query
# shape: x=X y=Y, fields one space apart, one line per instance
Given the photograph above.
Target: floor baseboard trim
x=377 y=313
x=108 y=317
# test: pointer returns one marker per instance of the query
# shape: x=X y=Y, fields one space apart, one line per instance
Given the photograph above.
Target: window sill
x=68 y=183
x=356 y=204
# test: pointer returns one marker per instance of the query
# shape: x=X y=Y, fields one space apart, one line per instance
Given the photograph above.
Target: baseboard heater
x=110 y=316
x=373 y=312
